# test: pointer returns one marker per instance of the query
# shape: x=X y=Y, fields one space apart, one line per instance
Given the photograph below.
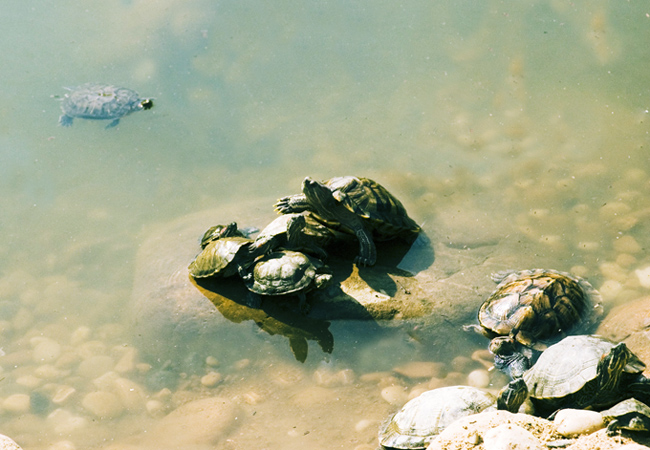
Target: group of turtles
x=528 y=318
x=286 y=258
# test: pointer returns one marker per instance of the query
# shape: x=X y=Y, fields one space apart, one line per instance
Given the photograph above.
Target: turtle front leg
x=367 y=250
x=292 y=204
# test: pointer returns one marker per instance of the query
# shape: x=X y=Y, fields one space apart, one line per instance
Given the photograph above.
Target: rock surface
x=497 y=430
x=6 y=443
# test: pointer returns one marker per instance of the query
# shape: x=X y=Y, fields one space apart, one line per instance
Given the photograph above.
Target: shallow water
x=532 y=115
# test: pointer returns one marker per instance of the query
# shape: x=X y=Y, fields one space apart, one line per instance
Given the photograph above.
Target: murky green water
x=531 y=115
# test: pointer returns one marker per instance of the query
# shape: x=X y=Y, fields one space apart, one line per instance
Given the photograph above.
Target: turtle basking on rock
x=101 y=102
x=358 y=206
x=427 y=415
x=287 y=272
x=578 y=372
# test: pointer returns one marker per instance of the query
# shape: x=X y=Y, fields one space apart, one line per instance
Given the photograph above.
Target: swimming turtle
x=286 y=272
x=101 y=102
x=421 y=419
x=536 y=305
x=578 y=372
x=630 y=414
x=360 y=206
x=225 y=251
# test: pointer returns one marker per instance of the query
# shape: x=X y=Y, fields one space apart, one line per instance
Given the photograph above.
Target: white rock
x=95 y=366
x=479 y=378
x=17 y=403
x=64 y=422
x=46 y=351
x=644 y=276
x=103 y=404
x=573 y=422
x=62 y=394
x=510 y=437
x=7 y=443
x=395 y=395
x=130 y=393
x=211 y=379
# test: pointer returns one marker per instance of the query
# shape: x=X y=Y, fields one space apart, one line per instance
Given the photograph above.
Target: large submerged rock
x=439 y=281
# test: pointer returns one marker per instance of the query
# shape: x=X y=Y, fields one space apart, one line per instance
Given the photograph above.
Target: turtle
x=421 y=419
x=101 y=102
x=578 y=372
x=359 y=206
x=221 y=231
x=535 y=307
x=225 y=251
x=286 y=272
x=296 y=231
x=630 y=414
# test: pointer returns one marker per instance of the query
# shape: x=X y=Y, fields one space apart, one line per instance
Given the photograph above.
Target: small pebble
x=211 y=379
x=625 y=260
x=479 y=378
x=610 y=289
x=29 y=381
x=46 y=351
x=155 y=408
x=50 y=372
x=211 y=361
x=573 y=422
x=364 y=424
x=422 y=369
x=95 y=366
x=62 y=445
x=395 y=395
x=242 y=364
x=462 y=364
x=455 y=378
x=613 y=271
x=627 y=244
x=103 y=404
x=251 y=398
x=62 y=394
x=17 y=403
x=64 y=422
x=126 y=363
x=644 y=276
x=130 y=393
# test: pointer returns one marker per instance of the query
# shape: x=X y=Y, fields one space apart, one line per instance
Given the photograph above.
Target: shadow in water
x=276 y=316
x=385 y=287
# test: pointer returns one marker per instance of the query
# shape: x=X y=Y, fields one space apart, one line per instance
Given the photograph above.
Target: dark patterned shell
x=539 y=304
x=100 y=101
x=284 y=272
x=630 y=414
x=217 y=258
x=567 y=367
x=427 y=415
x=370 y=200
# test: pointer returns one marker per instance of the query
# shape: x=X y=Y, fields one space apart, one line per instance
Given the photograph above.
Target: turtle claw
x=364 y=262
x=283 y=205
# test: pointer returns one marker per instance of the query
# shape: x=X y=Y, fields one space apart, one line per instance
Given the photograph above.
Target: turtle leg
x=113 y=123
x=303 y=305
x=292 y=204
x=65 y=120
x=367 y=251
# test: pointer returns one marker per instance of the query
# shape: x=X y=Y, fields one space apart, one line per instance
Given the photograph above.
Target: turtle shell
x=221 y=257
x=100 y=101
x=532 y=305
x=286 y=272
x=370 y=200
x=565 y=375
x=630 y=414
x=427 y=415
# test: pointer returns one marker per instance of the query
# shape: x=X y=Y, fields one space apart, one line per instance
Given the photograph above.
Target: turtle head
x=147 y=103
x=295 y=225
x=611 y=365
x=318 y=194
x=512 y=395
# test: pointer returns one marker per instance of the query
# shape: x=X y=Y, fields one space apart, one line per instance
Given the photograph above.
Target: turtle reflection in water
x=101 y=102
x=358 y=206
